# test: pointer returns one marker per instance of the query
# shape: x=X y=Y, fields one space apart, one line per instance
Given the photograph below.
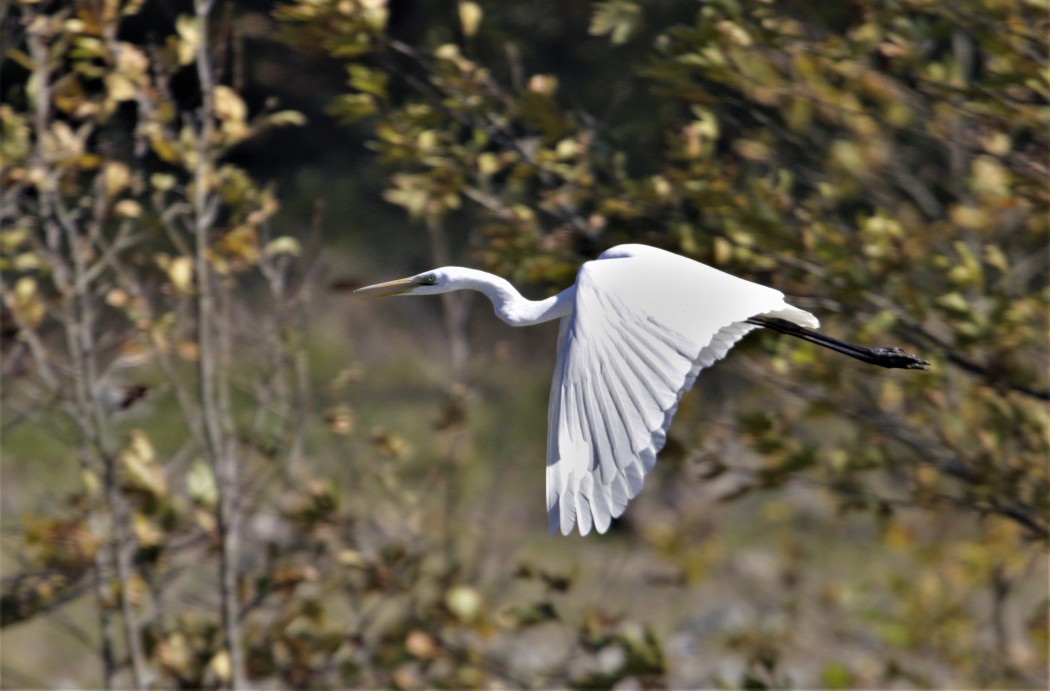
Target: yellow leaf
x=200 y=484
x=427 y=141
x=242 y=242
x=617 y=19
x=954 y=302
x=412 y=199
x=24 y=300
x=22 y=58
x=997 y=143
x=139 y=462
x=752 y=149
x=419 y=643
x=127 y=208
x=994 y=256
x=267 y=207
x=115 y=177
x=176 y=654
x=566 y=149
x=68 y=94
x=229 y=106
x=469 y=17
x=706 y=123
x=448 y=51
x=132 y=7
x=27 y=261
x=545 y=84
x=187 y=350
x=158 y=330
x=181 y=273
x=989 y=177
x=464 y=602
x=167 y=152
x=968 y=216
x=205 y=519
x=12 y=239
x=60 y=142
x=117 y=297
x=723 y=251
x=283 y=118
x=120 y=88
x=162 y=182
x=148 y=534
x=352 y=558
x=92 y=484
x=734 y=33
x=188 y=29
x=375 y=13
x=282 y=245
x=488 y=163
x=848 y=155
x=220 y=665
x=131 y=61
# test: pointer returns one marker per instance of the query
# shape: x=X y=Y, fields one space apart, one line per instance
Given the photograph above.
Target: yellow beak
x=384 y=290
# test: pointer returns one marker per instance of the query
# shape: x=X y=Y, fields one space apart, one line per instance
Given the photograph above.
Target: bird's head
x=427 y=283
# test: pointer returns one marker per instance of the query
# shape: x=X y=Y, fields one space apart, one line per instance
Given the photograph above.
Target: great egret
x=636 y=329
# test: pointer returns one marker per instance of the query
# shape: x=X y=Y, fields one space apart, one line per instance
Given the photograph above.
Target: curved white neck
x=509 y=304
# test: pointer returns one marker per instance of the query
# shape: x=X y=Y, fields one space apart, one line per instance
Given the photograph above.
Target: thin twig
x=39 y=52
x=214 y=393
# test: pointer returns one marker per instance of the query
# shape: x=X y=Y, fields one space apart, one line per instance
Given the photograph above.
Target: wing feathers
x=602 y=509
x=583 y=497
x=611 y=445
x=630 y=414
x=635 y=479
x=637 y=339
x=640 y=383
x=603 y=449
x=661 y=380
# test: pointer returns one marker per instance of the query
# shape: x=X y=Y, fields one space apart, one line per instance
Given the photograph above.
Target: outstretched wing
x=645 y=323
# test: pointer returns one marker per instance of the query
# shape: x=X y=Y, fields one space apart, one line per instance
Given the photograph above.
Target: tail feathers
x=795 y=316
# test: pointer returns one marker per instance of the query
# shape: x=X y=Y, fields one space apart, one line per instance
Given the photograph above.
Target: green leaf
x=282 y=245
x=286 y=118
x=354 y=107
x=200 y=484
x=617 y=19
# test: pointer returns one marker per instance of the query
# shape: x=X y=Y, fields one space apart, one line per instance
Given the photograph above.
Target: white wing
x=645 y=323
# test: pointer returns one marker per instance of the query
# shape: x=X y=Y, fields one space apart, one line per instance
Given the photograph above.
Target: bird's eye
x=428 y=280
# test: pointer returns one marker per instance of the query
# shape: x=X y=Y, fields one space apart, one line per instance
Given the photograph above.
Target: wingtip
x=553 y=526
x=561 y=517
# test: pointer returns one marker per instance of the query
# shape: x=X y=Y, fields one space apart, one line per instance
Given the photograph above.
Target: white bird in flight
x=636 y=329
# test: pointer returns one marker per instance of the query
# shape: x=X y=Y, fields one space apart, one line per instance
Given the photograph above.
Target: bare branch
x=213 y=358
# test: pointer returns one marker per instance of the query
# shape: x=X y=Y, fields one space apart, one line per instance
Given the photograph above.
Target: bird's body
x=636 y=329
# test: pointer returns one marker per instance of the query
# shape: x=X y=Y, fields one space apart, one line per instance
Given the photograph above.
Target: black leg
x=883 y=357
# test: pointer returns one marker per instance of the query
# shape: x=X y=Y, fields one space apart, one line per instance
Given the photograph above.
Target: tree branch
x=214 y=401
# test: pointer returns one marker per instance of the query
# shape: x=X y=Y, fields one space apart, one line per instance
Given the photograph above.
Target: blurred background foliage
x=218 y=471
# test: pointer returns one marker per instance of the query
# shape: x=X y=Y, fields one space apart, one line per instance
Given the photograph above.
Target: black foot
x=897 y=358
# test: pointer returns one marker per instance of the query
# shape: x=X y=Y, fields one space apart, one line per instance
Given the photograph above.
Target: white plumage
x=643 y=325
